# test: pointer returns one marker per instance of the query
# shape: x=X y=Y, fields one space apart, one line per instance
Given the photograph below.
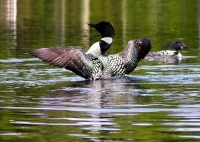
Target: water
x=156 y=102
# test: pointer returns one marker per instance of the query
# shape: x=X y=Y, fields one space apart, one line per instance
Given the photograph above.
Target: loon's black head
x=105 y=29
x=143 y=46
x=176 y=45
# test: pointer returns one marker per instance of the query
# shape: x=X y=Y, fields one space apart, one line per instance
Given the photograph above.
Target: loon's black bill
x=92 y=25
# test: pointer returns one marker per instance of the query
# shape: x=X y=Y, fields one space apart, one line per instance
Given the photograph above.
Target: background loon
x=107 y=32
x=170 y=55
x=93 y=67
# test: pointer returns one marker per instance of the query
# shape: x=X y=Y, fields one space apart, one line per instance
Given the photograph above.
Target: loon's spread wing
x=71 y=57
x=127 y=60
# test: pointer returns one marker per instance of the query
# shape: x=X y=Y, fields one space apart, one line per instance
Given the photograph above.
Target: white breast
x=94 y=49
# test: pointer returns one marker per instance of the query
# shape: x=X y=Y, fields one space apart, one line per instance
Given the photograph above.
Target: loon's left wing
x=70 y=57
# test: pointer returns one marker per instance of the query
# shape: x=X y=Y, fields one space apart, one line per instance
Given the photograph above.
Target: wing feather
x=71 y=57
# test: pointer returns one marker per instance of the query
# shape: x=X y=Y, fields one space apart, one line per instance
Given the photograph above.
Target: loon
x=107 y=32
x=93 y=67
x=170 y=55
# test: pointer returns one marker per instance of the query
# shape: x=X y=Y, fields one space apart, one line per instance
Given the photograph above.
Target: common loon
x=107 y=32
x=170 y=55
x=93 y=67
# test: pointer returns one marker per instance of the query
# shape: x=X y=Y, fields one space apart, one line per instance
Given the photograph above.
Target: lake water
x=156 y=102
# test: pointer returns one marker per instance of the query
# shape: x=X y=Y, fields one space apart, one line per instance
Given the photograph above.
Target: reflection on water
x=157 y=102
x=103 y=109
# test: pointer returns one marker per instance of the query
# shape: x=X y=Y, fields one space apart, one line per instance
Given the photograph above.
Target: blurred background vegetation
x=31 y=24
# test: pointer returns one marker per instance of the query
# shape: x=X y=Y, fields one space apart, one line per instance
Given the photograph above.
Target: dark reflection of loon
x=104 y=93
x=101 y=97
